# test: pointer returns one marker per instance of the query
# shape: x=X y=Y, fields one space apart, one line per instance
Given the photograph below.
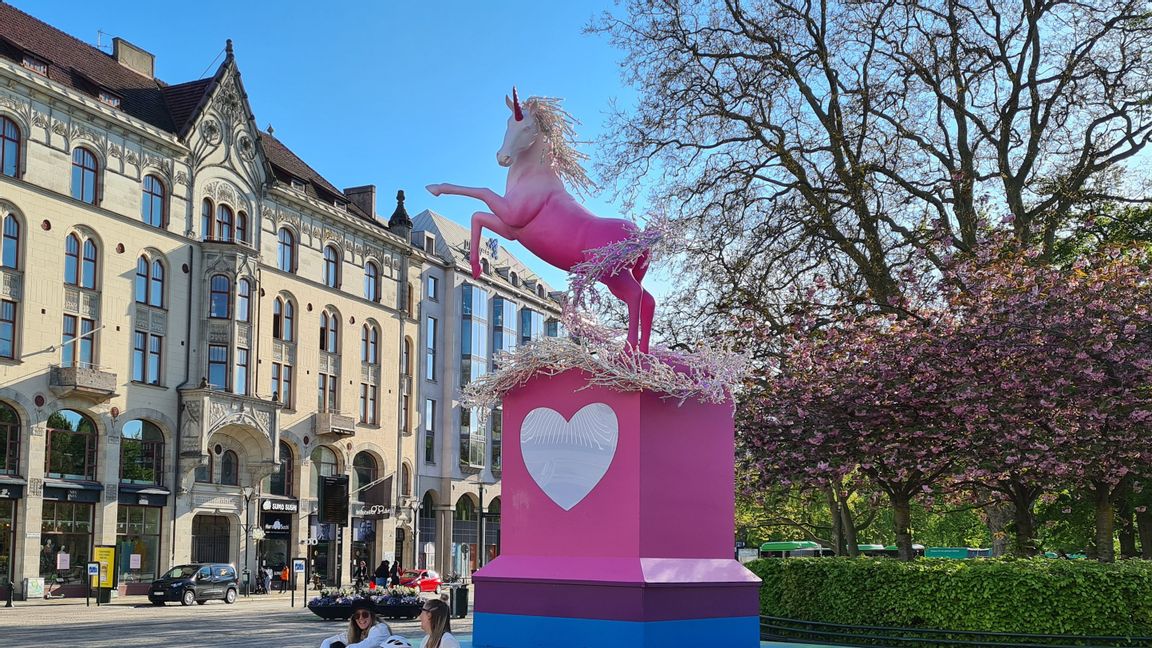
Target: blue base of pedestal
x=516 y=631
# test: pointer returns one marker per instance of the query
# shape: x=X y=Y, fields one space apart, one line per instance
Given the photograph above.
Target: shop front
x=324 y=556
x=277 y=516
x=11 y=491
x=139 y=531
x=68 y=519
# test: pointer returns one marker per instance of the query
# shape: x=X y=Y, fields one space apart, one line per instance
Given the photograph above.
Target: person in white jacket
x=365 y=631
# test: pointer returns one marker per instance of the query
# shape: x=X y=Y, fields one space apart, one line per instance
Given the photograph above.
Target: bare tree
x=847 y=140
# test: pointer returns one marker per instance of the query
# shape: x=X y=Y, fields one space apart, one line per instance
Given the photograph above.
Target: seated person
x=365 y=631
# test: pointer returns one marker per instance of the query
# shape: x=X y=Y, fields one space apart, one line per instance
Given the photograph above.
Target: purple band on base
x=617 y=602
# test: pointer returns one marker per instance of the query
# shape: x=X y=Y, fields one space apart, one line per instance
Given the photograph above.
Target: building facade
x=464 y=324
x=195 y=326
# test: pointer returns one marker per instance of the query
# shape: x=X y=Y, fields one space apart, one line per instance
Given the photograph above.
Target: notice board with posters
x=106 y=556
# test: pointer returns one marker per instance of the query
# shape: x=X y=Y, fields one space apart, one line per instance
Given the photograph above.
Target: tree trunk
x=835 y=508
x=1125 y=522
x=1022 y=502
x=1105 y=522
x=848 y=523
x=1144 y=520
x=997 y=517
x=902 y=520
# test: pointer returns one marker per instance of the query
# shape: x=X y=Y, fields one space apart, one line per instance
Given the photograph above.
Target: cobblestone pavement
x=266 y=621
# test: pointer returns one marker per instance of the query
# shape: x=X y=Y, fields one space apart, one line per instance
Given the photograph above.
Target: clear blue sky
x=393 y=93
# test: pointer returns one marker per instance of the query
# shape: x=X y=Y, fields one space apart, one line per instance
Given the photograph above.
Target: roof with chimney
x=81 y=67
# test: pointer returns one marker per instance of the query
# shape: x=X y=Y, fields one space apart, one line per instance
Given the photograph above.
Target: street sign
x=740 y=544
x=298 y=565
x=93 y=569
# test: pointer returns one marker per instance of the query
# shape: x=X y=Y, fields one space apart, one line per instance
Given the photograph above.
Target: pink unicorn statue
x=539 y=212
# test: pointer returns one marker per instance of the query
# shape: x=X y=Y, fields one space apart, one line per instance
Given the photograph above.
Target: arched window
x=153 y=208
x=204 y=471
x=371 y=281
x=406 y=357
x=329 y=336
x=224 y=223
x=229 y=469
x=364 y=472
x=88 y=265
x=465 y=510
x=9 y=440
x=369 y=345
x=283 y=319
x=221 y=295
x=242 y=227
x=149 y=282
x=141 y=453
x=85 y=171
x=10 y=253
x=286 y=250
x=323 y=464
x=405 y=480
x=9 y=147
x=243 y=300
x=331 y=267
x=206 y=221
x=71 y=449
x=281 y=483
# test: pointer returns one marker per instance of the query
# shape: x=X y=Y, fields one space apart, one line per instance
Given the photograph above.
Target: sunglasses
x=363 y=614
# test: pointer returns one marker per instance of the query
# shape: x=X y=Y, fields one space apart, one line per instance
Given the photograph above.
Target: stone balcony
x=85 y=381
x=334 y=423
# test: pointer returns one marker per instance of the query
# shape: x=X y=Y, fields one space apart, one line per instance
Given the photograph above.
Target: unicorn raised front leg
x=537 y=210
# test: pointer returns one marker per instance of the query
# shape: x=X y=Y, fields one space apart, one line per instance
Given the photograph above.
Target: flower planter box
x=332 y=612
x=344 y=612
x=401 y=611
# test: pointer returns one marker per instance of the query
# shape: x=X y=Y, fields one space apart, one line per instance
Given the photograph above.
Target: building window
x=109 y=98
x=9 y=147
x=405 y=403
x=9 y=440
x=331 y=267
x=10 y=252
x=283 y=319
x=430 y=352
x=371 y=281
x=281 y=483
x=80 y=270
x=406 y=357
x=326 y=393
x=141 y=453
x=429 y=431
x=37 y=65
x=240 y=380
x=432 y=290
x=243 y=300
x=206 y=222
x=138 y=532
x=71 y=452
x=65 y=527
x=153 y=206
x=218 y=366
x=220 y=298
x=229 y=469
x=8 y=329
x=368 y=398
x=497 y=438
x=78 y=346
x=323 y=464
x=286 y=250
x=224 y=223
x=364 y=472
x=429 y=244
x=85 y=171
x=150 y=282
x=146 y=351
x=242 y=227
x=369 y=345
x=282 y=383
x=204 y=471
x=329 y=336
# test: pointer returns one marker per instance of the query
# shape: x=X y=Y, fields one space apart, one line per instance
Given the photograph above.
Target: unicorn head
x=543 y=117
x=521 y=133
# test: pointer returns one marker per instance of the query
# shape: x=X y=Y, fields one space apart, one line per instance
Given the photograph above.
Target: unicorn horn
x=516 y=106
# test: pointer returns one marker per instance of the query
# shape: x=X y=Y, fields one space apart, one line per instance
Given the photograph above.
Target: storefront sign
x=71 y=495
x=106 y=556
x=134 y=561
x=360 y=510
x=11 y=491
x=276 y=525
x=280 y=506
x=63 y=561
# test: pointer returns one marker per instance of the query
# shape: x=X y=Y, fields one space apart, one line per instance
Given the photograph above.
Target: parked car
x=195 y=583
x=425 y=580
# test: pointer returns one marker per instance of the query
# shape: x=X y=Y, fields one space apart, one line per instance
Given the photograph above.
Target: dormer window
x=339 y=205
x=298 y=184
x=430 y=244
x=109 y=98
x=37 y=65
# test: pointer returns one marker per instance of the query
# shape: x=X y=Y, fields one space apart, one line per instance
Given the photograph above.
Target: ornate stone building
x=194 y=326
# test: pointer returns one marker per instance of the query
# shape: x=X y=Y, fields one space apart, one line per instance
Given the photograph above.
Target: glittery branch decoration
x=706 y=374
x=559 y=128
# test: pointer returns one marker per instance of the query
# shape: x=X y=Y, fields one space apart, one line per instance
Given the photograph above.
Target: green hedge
x=1039 y=596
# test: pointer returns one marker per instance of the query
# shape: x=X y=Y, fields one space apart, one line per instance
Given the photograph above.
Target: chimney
x=133 y=57
x=364 y=198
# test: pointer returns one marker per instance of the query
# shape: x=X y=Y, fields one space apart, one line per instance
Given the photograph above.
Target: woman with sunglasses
x=365 y=631
x=434 y=621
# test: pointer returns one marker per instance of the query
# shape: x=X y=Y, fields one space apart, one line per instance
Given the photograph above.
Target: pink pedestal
x=645 y=556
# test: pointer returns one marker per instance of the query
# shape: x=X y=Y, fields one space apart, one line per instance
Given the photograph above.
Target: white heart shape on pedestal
x=567 y=459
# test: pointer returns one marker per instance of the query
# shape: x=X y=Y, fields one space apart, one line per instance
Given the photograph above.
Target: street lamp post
x=248 y=492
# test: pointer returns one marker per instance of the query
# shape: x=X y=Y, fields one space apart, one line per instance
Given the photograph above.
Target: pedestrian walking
x=285 y=574
x=360 y=574
x=435 y=622
x=394 y=575
x=383 y=573
x=365 y=631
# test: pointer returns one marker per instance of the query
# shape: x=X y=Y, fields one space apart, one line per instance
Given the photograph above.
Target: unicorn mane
x=558 y=126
